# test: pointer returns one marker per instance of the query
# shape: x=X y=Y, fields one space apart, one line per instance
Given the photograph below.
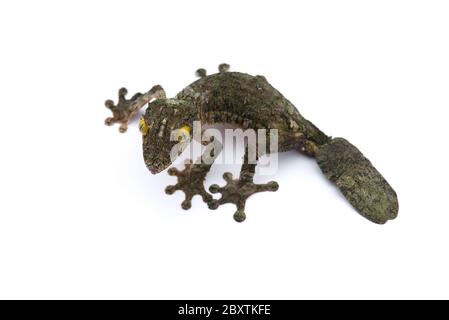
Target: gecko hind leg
x=222 y=68
x=237 y=191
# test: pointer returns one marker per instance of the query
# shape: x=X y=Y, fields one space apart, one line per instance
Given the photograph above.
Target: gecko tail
x=364 y=187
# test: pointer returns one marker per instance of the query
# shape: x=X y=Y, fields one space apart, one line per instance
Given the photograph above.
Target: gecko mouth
x=156 y=164
x=154 y=157
x=155 y=170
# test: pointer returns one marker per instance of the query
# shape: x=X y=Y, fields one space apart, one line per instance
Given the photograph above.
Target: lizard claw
x=191 y=182
x=237 y=191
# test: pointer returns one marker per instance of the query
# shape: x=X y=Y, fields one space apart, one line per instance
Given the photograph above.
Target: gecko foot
x=224 y=67
x=237 y=191
x=191 y=182
x=201 y=73
x=122 y=112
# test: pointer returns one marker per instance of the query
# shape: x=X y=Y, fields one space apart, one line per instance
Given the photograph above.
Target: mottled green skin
x=364 y=187
x=252 y=103
x=231 y=98
x=163 y=116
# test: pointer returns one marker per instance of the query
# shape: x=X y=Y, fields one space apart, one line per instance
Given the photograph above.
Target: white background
x=81 y=216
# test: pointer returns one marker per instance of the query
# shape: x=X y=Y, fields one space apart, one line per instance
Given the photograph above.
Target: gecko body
x=250 y=102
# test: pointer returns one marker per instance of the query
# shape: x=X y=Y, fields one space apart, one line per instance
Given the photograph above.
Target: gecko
x=248 y=102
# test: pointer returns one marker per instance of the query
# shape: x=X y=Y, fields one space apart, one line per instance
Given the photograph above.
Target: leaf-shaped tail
x=364 y=187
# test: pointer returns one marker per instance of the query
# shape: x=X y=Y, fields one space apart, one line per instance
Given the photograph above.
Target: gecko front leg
x=237 y=191
x=191 y=179
x=126 y=109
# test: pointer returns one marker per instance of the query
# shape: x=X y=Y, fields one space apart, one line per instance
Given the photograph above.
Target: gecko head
x=165 y=128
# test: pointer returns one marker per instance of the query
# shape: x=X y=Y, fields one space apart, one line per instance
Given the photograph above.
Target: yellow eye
x=184 y=134
x=143 y=127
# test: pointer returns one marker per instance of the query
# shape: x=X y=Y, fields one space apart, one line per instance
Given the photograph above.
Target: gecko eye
x=143 y=127
x=183 y=134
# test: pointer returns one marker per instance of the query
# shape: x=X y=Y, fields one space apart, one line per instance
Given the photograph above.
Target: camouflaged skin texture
x=363 y=186
x=162 y=117
x=249 y=102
